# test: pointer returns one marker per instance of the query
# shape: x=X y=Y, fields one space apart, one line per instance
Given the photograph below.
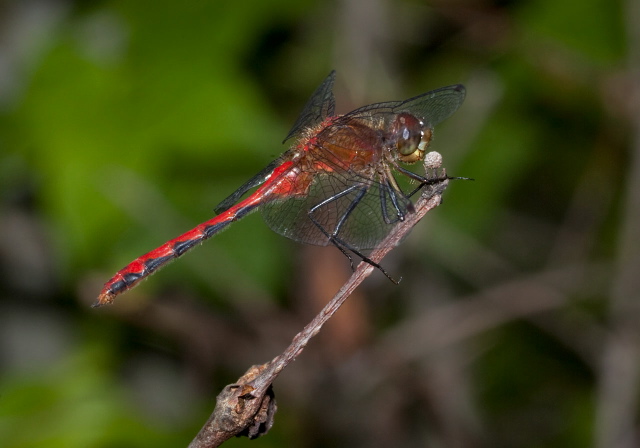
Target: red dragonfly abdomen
x=276 y=184
x=142 y=267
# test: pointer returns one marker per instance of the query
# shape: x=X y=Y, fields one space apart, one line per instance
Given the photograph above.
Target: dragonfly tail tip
x=105 y=298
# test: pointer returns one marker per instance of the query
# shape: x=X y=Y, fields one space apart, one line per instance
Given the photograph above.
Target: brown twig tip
x=241 y=410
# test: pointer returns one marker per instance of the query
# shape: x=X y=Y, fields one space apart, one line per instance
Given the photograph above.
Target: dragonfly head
x=411 y=138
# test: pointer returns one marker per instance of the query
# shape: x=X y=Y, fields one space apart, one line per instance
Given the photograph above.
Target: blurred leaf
x=593 y=27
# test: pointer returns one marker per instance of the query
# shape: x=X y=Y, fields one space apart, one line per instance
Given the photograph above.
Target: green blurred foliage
x=123 y=124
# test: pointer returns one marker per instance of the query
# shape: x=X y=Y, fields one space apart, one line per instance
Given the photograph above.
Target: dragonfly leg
x=333 y=236
x=346 y=254
x=342 y=245
x=424 y=181
x=394 y=201
x=343 y=218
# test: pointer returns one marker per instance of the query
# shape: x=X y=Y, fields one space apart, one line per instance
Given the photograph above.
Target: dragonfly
x=338 y=183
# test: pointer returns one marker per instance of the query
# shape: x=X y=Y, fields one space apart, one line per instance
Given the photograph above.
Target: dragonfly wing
x=341 y=196
x=358 y=211
x=321 y=105
x=256 y=180
x=432 y=107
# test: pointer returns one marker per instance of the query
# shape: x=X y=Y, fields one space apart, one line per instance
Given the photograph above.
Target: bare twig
x=246 y=408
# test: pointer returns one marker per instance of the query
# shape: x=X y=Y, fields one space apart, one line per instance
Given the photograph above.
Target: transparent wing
x=256 y=180
x=321 y=105
x=432 y=107
x=340 y=192
x=349 y=199
x=358 y=211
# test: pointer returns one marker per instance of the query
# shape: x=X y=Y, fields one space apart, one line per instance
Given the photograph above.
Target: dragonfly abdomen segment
x=142 y=267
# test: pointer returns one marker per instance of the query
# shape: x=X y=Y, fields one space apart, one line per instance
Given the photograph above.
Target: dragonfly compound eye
x=409 y=134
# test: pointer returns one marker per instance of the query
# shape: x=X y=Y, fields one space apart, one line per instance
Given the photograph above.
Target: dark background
x=123 y=123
